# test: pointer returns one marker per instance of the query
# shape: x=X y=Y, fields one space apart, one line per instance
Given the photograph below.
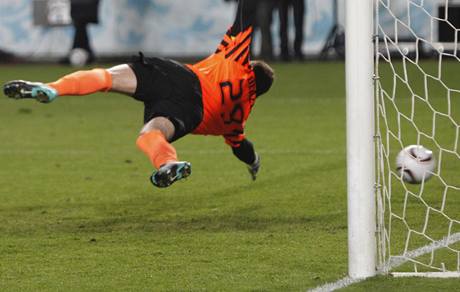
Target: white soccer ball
x=415 y=163
x=78 y=57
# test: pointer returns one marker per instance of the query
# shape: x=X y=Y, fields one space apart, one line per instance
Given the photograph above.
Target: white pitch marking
x=394 y=263
x=428 y=275
x=446 y=241
x=342 y=283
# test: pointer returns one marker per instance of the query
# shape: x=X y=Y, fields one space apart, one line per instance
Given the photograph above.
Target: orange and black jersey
x=228 y=81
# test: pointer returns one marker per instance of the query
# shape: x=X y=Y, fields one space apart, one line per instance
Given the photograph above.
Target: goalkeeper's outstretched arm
x=245 y=16
x=245 y=152
x=237 y=41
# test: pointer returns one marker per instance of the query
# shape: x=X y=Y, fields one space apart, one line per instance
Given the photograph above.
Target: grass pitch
x=78 y=213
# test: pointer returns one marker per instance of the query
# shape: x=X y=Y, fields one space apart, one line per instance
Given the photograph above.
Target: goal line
x=398 y=261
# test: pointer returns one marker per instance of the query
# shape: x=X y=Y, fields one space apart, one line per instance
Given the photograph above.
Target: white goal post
x=402 y=57
x=360 y=139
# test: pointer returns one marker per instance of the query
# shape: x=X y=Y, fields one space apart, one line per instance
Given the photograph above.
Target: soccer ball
x=415 y=163
x=78 y=57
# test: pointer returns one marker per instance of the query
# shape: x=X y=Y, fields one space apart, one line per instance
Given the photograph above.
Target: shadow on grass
x=161 y=213
x=208 y=223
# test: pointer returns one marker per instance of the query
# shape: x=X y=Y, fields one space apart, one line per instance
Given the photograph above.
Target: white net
x=418 y=102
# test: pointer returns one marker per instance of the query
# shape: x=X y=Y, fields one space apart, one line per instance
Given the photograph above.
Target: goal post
x=360 y=138
x=402 y=68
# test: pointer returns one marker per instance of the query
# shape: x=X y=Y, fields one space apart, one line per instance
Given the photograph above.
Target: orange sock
x=157 y=148
x=83 y=82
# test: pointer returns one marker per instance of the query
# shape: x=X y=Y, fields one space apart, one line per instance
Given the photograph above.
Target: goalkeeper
x=212 y=97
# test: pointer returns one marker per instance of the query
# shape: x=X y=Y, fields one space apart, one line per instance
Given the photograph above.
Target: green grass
x=78 y=213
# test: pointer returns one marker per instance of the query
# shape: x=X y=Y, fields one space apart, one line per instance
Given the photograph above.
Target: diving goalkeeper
x=212 y=97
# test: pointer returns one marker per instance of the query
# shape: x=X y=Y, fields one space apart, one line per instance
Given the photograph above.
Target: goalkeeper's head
x=264 y=76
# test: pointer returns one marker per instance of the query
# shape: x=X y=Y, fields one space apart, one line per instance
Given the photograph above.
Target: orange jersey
x=228 y=88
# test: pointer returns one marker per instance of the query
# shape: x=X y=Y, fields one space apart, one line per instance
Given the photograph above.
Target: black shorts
x=169 y=89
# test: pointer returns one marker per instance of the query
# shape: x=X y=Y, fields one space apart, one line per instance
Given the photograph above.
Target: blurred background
x=47 y=30
x=43 y=30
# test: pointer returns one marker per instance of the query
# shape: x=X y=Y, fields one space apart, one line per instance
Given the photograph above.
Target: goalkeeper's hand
x=254 y=168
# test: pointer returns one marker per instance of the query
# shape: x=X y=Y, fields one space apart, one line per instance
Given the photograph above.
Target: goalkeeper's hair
x=265 y=76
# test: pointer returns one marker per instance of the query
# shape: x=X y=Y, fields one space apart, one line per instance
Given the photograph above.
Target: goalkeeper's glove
x=254 y=168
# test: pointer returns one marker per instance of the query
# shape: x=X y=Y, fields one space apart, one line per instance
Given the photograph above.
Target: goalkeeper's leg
x=153 y=141
x=118 y=79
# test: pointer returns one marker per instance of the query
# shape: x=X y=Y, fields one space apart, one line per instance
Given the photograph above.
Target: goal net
x=417 y=89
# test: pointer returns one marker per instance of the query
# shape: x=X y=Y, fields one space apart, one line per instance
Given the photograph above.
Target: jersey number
x=236 y=115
